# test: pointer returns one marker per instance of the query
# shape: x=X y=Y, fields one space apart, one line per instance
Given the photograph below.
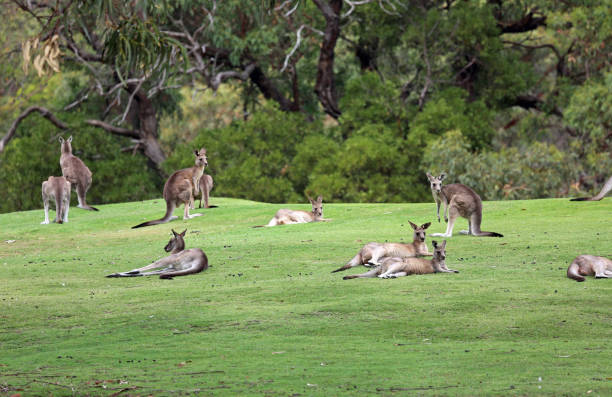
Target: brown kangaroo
x=58 y=189
x=179 y=189
x=397 y=267
x=76 y=172
x=181 y=262
x=459 y=200
x=373 y=253
x=606 y=188
x=590 y=265
x=287 y=217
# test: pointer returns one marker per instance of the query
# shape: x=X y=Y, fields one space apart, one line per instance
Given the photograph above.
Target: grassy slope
x=269 y=318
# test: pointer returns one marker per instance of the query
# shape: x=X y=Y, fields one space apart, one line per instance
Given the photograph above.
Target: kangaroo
x=393 y=267
x=372 y=253
x=77 y=173
x=590 y=265
x=287 y=217
x=206 y=185
x=459 y=200
x=180 y=262
x=606 y=188
x=57 y=188
x=179 y=189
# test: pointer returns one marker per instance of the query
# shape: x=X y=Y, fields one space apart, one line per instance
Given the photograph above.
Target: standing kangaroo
x=179 y=189
x=180 y=262
x=372 y=253
x=606 y=188
x=76 y=172
x=287 y=217
x=58 y=189
x=459 y=200
x=206 y=185
x=397 y=267
x=589 y=265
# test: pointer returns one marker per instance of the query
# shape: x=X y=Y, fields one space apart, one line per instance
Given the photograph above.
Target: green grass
x=269 y=318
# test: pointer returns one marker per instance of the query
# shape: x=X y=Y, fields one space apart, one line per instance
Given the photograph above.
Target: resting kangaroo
x=181 y=262
x=590 y=265
x=398 y=267
x=179 y=189
x=287 y=217
x=459 y=200
x=58 y=189
x=606 y=188
x=372 y=253
x=77 y=173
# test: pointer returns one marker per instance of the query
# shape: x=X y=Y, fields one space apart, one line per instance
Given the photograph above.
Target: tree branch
x=113 y=129
x=46 y=113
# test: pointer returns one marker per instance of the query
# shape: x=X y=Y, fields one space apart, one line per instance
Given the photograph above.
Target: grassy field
x=268 y=317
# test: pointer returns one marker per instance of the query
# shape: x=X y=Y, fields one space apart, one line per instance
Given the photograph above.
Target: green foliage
x=536 y=171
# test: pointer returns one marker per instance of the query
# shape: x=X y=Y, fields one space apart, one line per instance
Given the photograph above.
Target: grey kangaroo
x=287 y=217
x=458 y=200
x=76 y=172
x=589 y=265
x=393 y=267
x=206 y=185
x=58 y=189
x=180 y=262
x=179 y=189
x=373 y=253
x=606 y=188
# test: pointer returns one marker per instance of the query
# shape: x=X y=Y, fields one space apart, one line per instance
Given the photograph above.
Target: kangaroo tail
x=350 y=277
x=488 y=234
x=258 y=226
x=170 y=275
x=58 y=207
x=356 y=261
x=133 y=273
x=582 y=199
x=166 y=218
x=89 y=207
x=572 y=272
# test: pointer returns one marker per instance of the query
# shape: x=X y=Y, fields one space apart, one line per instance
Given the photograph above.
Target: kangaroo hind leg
x=453 y=213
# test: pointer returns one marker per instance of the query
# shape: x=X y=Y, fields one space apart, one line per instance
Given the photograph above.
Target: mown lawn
x=268 y=317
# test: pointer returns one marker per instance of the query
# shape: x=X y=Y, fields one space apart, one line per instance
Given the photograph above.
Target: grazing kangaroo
x=179 y=189
x=287 y=217
x=590 y=265
x=77 y=173
x=398 y=267
x=372 y=253
x=180 y=262
x=606 y=188
x=58 y=189
x=459 y=200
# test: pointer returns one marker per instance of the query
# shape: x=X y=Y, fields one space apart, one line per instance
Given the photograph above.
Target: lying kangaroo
x=459 y=200
x=287 y=217
x=58 y=189
x=606 y=188
x=398 y=267
x=179 y=189
x=77 y=173
x=180 y=262
x=590 y=265
x=372 y=253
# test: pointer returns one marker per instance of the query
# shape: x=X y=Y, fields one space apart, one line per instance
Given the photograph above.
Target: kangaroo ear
x=196 y=152
x=60 y=139
x=183 y=233
x=174 y=233
x=444 y=244
x=70 y=139
x=425 y=225
x=429 y=176
x=320 y=199
x=310 y=199
x=415 y=227
x=434 y=243
x=202 y=151
x=442 y=176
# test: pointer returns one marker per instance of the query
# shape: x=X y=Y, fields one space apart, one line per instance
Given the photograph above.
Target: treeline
x=351 y=101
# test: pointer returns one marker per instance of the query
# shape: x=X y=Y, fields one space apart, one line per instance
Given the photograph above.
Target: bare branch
x=113 y=129
x=295 y=47
x=220 y=77
x=129 y=104
x=46 y=113
x=78 y=101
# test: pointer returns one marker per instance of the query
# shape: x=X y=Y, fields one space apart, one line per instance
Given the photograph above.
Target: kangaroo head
x=317 y=206
x=65 y=144
x=419 y=231
x=436 y=181
x=201 y=159
x=176 y=243
x=439 y=254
